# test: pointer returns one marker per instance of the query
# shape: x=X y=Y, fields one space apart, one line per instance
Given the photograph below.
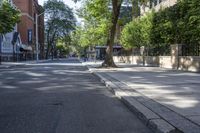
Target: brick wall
x=29 y=9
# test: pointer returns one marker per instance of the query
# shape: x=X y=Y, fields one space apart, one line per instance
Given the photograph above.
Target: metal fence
x=191 y=50
x=159 y=50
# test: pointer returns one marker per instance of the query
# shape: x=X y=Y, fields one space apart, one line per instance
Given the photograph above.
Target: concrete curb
x=159 y=118
x=150 y=119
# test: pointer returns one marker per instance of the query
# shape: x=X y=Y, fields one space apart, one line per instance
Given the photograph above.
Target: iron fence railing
x=191 y=50
x=159 y=50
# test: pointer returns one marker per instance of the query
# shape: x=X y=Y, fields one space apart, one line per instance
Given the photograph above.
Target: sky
x=70 y=3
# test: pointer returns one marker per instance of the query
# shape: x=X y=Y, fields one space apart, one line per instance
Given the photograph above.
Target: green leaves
x=177 y=24
x=9 y=16
x=60 y=22
x=97 y=20
x=137 y=32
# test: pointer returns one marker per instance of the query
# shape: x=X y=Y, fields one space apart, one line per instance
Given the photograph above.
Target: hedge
x=176 y=24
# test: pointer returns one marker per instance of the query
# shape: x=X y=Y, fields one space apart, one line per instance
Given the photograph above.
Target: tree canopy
x=60 y=22
x=100 y=20
x=9 y=16
x=137 y=32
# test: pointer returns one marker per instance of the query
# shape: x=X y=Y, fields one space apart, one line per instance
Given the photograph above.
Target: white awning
x=26 y=47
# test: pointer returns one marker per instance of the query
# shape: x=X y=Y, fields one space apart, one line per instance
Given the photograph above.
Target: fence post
x=176 y=51
x=142 y=50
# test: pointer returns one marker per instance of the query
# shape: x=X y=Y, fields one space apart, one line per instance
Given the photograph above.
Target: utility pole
x=37 y=44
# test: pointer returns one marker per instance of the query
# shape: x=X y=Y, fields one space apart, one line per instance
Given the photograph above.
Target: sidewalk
x=5 y=65
x=166 y=100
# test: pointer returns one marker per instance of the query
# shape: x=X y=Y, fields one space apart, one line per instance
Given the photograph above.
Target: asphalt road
x=60 y=97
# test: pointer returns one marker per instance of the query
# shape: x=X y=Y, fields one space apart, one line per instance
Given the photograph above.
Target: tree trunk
x=109 y=62
x=52 y=52
x=50 y=42
x=135 y=9
x=47 y=52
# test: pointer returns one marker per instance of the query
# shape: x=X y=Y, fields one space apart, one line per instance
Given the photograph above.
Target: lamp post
x=37 y=44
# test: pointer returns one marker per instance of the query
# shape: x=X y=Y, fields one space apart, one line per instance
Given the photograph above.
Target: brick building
x=27 y=26
x=10 y=52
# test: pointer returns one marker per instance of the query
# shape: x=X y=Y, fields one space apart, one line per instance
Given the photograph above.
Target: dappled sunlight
x=35 y=74
x=31 y=82
x=121 y=93
x=69 y=71
x=8 y=87
x=56 y=64
x=179 y=91
x=179 y=102
x=177 y=74
x=136 y=77
x=46 y=88
x=167 y=95
x=161 y=76
x=49 y=77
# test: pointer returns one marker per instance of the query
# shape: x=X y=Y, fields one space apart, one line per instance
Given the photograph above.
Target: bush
x=137 y=32
x=177 y=24
x=9 y=16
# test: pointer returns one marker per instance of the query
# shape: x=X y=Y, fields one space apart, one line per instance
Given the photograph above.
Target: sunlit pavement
x=60 y=97
x=178 y=91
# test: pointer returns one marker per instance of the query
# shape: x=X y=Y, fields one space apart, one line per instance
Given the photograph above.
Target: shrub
x=137 y=32
x=177 y=24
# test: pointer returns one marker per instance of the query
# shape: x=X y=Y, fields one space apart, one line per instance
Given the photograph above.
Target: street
x=61 y=97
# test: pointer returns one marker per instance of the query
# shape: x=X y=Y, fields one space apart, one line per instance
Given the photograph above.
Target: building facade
x=27 y=26
x=24 y=33
x=8 y=50
x=156 y=5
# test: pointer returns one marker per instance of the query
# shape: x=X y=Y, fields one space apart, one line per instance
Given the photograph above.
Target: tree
x=62 y=48
x=9 y=16
x=137 y=32
x=60 y=22
x=116 y=5
x=107 y=12
x=102 y=17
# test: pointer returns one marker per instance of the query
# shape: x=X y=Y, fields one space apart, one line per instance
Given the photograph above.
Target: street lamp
x=37 y=47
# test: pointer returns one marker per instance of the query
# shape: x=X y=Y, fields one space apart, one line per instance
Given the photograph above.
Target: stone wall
x=186 y=63
x=165 y=61
x=189 y=63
